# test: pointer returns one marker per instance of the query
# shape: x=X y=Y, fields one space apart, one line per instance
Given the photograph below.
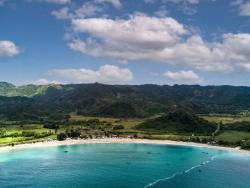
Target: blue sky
x=203 y=42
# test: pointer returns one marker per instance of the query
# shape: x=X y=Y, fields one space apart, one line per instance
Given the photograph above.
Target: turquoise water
x=123 y=165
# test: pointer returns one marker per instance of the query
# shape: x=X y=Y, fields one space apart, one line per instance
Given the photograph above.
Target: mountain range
x=35 y=102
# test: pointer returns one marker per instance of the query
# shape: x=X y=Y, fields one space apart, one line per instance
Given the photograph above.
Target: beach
x=55 y=143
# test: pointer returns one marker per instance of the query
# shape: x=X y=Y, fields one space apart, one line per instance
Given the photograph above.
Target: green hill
x=179 y=122
x=10 y=90
x=119 y=100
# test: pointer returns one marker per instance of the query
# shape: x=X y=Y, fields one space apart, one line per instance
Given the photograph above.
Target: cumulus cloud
x=107 y=74
x=127 y=39
x=243 y=7
x=115 y=3
x=225 y=56
x=87 y=9
x=8 y=48
x=183 y=77
x=162 y=12
x=162 y=40
x=62 y=13
x=42 y=81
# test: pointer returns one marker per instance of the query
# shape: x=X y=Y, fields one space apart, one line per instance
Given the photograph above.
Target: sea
x=123 y=165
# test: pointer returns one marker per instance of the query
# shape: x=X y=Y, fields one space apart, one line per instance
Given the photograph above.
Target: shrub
x=84 y=136
x=28 y=133
x=61 y=136
x=118 y=127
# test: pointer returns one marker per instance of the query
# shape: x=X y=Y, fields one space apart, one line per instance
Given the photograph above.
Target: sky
x=205 y=42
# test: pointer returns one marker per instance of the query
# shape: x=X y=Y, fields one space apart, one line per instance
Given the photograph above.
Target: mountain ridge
x=120 y=100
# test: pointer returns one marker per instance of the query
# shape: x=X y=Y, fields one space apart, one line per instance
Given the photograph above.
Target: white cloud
x=162 y=12
x=223 y=56
x=87 y=9
x=127 y=39
x=8 y=48
x=183 y=77
x=107 y=74
x=115 y=3
x=59 y=1
x=62 y=13
x=245 y=67
x=243 y=7
x=162 y=40
x=42 y=81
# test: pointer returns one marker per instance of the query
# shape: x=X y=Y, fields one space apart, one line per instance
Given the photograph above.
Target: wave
x=180 y=173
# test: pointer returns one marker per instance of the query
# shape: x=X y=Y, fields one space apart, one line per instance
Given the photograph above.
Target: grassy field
x=13 y=133
x=86 y=118
x=12 y=127
x=128 y=123
x=233 y=136
x=226 y=118
x=17 y=128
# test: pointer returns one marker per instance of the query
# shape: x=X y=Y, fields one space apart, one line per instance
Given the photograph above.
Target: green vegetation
x=10 y=90
x=61 y=136
x=118 y=127
x=179 y=122
x=226 y=118
x=233 y=137
x=16 y=133
x=178 y=126
x=36 y=113
x=56 y=101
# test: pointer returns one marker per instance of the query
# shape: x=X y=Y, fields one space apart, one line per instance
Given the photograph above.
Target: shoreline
x=120 y=140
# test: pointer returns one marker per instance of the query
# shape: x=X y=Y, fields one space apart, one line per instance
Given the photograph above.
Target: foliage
x=179 y=122
x=57 y=101
x=51 y=126
x=61 y=136
x=232 y=137
x=118 y=127
x=245 y=145
x=237 y=126
x=73 y=133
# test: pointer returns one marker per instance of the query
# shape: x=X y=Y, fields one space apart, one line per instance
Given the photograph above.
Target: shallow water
x=123 y=165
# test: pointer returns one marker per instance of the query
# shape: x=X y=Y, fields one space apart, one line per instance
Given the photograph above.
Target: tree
x=118 y=127
x=2 y=132
x=61 y=136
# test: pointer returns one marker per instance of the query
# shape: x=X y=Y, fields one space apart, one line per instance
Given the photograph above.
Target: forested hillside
x=35 y=102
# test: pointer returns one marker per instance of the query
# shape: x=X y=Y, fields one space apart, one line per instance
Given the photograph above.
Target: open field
x=16 y=132
x=226 y=118
x=128 y=123
x=233 y=136
x=19 y=132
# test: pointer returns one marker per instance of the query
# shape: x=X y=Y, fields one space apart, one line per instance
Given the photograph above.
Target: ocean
x=125 y=165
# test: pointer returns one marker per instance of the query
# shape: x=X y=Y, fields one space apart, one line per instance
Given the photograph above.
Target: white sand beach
x=120 y=140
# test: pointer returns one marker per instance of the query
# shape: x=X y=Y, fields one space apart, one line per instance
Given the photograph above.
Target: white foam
x=180 y=173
